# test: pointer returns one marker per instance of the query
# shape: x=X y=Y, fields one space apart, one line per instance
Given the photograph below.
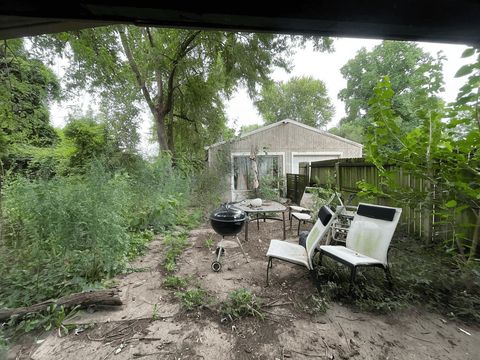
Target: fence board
x=344 y=174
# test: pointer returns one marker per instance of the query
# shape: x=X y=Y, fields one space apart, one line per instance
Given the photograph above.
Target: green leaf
x=464 y=70
x=468 y=52
x=451 y=204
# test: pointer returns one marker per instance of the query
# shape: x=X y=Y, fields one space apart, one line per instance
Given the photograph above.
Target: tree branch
x=150 y=37
x=136 y=71
x=184 y=117
x=184 y=49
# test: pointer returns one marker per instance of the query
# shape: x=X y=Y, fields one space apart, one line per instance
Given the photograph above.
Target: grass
x=193 y=299
x=422 y=275
x=209 y=243
x=175 y=282
x=241 y=303
x=175 y=244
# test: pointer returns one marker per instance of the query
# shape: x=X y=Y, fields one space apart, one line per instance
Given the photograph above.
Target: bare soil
x=153 y=325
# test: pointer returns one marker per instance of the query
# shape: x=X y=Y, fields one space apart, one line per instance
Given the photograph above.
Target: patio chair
x=368 y=240
x=302 y=212
x=297 y=254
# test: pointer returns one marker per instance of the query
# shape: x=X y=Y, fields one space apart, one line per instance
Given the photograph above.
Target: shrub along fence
x=344 y=174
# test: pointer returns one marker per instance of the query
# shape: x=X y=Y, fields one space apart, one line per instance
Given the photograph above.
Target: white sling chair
x=302 y=212
x=297 y=254
x=368 y=239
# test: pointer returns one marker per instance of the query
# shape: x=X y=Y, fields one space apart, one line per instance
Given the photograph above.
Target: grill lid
x=227 y=213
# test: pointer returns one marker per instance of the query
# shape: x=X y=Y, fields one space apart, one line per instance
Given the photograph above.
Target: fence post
x=337 y=176
x=296 y=189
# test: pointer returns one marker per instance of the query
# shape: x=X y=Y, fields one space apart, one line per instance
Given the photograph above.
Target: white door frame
x=313 y=153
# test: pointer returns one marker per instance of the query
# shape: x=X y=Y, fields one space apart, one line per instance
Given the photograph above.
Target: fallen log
x=107 y=297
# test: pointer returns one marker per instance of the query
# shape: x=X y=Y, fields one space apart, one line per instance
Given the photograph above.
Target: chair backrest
x=319 y=230
x=372 y=230
x=307 y=200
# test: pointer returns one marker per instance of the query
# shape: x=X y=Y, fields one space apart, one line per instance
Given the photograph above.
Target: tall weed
x=70 y=233
x=61 y=234
x=159 y=195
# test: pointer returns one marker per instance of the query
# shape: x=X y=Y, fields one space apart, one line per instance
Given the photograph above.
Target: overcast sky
x=322 y=66
x=326 y=67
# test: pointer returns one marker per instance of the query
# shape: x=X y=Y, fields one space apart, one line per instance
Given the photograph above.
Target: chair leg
x=353 y=272
x=298 y=230
x=269 y=266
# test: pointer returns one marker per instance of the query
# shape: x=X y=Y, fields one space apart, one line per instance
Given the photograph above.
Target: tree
x=411 y=71
x=27 y=85
x=304 y=99
x=443 y=154
x=89 y=140
x=349 y=130
x=249 y=128
x=182 y=76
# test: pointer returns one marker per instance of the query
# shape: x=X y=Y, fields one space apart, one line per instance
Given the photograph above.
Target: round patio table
x=261 y=212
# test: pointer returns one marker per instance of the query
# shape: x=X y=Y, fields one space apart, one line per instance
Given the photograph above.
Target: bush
x=159 y=195
x=61 y=234
x=175 y=282
x=69 y=233
x=193 y=299
x=210 y=185
x=241 y=303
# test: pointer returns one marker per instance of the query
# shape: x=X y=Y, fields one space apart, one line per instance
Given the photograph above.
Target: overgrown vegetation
x=442 y=151
x=175 y=244
x=175 y=282
x=193 y=299
x=241 y=303
x=68 y=233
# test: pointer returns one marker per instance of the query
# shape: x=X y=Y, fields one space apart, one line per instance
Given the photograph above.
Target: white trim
x=245 y=153
x=286 y=121
x=313 y=153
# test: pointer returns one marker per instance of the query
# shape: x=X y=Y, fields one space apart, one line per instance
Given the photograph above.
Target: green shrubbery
x=69 y=233
x=241 y=303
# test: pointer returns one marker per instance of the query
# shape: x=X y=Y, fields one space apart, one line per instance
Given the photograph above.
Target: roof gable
x=282 y=122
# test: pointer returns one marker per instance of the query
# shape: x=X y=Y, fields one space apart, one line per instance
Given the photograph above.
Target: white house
x=281 y=147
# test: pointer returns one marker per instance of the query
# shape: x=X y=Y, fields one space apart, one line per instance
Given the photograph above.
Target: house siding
x=290 y=138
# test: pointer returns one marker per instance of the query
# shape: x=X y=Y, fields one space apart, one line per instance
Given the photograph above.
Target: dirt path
x=153 y=325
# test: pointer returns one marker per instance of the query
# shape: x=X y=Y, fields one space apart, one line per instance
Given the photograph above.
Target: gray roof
x=270 y=126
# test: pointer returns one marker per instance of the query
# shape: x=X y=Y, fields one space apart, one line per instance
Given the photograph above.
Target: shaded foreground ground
x=153 y=325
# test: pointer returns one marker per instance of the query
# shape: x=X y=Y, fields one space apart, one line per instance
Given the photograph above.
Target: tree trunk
x=170 y=134
x=161 y=131
x=102 y=297
x=475 y=240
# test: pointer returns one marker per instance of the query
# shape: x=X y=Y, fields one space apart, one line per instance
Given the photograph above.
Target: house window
x=268 y=166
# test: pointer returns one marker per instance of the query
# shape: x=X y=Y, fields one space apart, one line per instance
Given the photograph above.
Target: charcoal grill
x=226 y=220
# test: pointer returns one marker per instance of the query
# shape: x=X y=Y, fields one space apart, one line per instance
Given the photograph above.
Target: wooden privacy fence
x=296 y=185
x=343 y=175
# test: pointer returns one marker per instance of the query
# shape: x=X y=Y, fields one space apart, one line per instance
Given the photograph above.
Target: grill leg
x=241 y=248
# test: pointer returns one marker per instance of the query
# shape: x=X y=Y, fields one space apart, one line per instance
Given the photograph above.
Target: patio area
x=153 y=324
